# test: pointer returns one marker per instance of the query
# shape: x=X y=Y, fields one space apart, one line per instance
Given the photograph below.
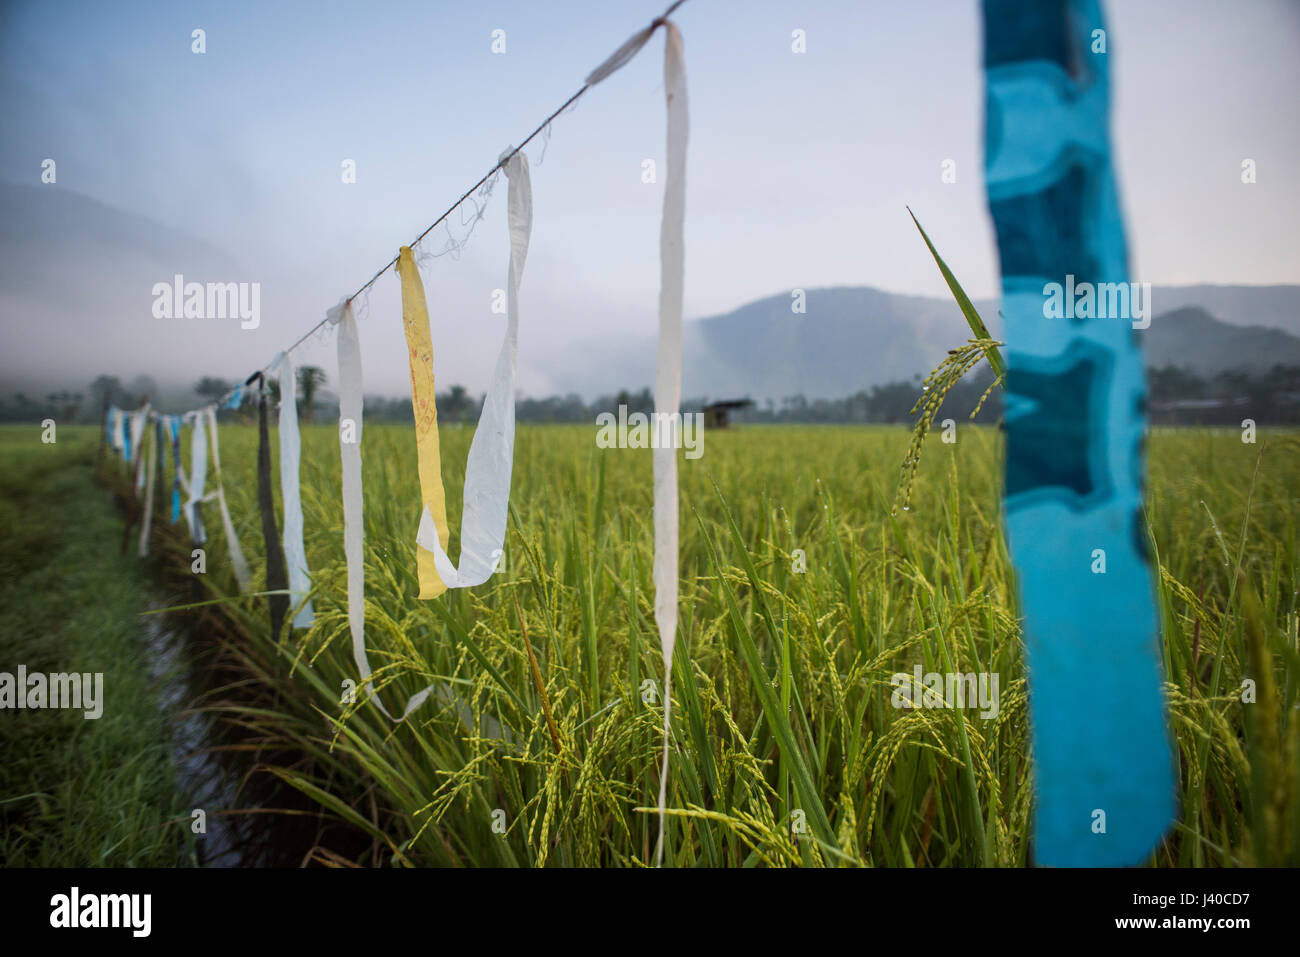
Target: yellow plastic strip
x=419 y=342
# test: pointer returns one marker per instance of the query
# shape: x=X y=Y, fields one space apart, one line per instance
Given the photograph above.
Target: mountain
x=848 y=338
x=851 y=338
x=76 y=280
x=1192 y=339
x=1275 y=307
x=46 y=229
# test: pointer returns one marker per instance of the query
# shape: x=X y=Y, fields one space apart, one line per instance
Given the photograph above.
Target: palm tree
x=310 y=378
x=456 y=403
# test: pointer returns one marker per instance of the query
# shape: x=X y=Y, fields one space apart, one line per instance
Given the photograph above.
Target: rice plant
x=802 y=594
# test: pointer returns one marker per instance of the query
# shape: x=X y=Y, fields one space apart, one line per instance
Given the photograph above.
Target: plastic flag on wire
x=277 y=576
x=146 y=523
x=114 y=427
x=491 y=452
x=237 y=561
x=178 y=473
x=419 y=343
x=350 y=431
x=139 y=425
x=1074 y=463
x=668 y=383
x=124 y=436
x=198 y=476
x=491 y=457
x=351 y=407
x=295 y=555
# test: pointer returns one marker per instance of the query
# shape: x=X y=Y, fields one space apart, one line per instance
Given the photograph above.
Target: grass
x=76 y=792
x=800 y=595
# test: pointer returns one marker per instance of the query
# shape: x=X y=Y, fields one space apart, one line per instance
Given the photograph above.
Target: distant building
x=717 y=415
x=1195 y=411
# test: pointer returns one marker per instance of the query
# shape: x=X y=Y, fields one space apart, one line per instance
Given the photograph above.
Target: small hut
x=717 y=415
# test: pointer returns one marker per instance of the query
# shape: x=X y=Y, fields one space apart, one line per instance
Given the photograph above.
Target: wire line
x=658 y=21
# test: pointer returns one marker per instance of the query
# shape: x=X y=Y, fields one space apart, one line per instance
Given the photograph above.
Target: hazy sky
x=799 y=164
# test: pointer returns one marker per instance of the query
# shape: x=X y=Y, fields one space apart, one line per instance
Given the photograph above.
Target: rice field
x=800 y=596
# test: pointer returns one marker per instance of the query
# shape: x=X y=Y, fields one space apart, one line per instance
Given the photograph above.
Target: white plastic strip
x=621 y=56
x=138 y=420
x=115 y=428
x=350 y=412
x=198 y=476
x=668 y=382
x=146 y=523
x=350 y=418
x=295 y=555
x=237 y=561
x=492 y=450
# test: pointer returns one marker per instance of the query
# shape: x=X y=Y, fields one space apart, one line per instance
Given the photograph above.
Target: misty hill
x=1194 y=340
x=75 y=283
x=849 y=338
x=1275 y=307
x=55 y=242
x=852 y=338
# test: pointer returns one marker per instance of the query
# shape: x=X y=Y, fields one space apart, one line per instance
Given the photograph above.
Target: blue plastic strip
x=174 y=427
x=1075 y=420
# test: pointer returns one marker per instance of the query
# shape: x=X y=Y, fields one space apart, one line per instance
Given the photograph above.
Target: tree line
x=1175 y=397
